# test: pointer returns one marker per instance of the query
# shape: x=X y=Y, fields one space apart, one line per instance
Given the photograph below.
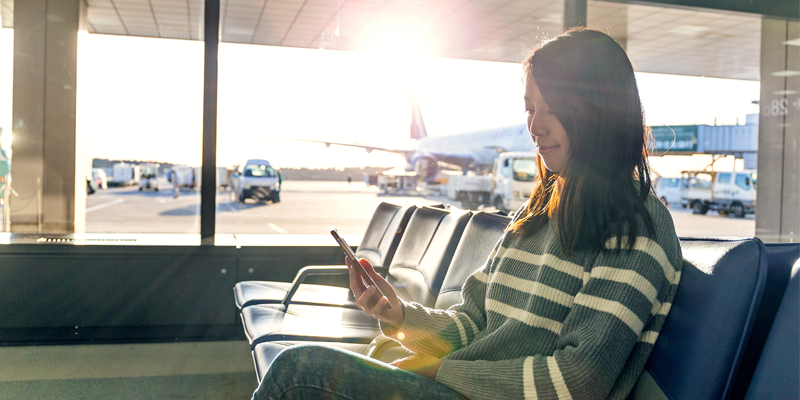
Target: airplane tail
x=417 y=125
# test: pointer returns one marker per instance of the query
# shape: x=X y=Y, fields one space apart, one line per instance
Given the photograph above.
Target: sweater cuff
x=390 y=330
x=414 y=321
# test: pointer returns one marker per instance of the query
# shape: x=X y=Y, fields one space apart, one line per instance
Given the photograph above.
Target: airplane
x=468 y=151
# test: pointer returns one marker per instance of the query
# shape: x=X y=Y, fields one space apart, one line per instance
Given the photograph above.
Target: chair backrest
x=780 y=258
x=701 y=344
x=424 y=253
x=480 y=236
x=777 y=375
x=383 y=233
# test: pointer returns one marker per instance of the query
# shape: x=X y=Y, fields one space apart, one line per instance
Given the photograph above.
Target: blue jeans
x=320 y=372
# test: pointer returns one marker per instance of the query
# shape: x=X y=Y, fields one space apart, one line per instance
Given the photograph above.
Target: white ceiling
x=658 y=39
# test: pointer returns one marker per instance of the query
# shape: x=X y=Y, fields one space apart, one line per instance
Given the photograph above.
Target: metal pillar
x=208 y=192
x=43 y=118
x=778 y=204
x=574 y=13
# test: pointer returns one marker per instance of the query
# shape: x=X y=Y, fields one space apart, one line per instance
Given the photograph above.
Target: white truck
x=256 y=179
x=668 y=190
x=728 y=192
x=186 y=176
x=506 y=188
x=124 y=174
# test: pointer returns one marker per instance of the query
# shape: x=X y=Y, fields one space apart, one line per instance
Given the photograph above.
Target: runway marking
x=277 y=228
x=104 y=205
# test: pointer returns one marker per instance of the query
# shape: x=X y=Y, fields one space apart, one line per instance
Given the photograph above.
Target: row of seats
x=731 y=332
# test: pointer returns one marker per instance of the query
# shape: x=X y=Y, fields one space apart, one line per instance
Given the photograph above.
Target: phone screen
x=348 y=251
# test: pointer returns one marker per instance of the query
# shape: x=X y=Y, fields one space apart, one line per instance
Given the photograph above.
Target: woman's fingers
x=356 y=284
x=370 y=300
x=385 y=287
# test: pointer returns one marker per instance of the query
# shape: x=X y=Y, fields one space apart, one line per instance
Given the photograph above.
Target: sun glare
x=407 y=42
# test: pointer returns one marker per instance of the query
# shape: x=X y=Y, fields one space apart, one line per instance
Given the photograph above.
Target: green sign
x=675 y=139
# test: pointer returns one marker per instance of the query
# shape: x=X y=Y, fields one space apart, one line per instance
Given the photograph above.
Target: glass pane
x=140 y=122
x=698 y=78
x=525 y=169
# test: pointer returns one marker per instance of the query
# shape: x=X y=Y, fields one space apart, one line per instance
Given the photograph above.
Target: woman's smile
x=547 y=149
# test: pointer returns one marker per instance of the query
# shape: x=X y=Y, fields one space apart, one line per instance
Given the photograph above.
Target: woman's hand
x=369 y=299
x=420 y=364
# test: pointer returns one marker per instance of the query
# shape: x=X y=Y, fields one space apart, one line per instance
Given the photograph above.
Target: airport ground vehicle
x=668 y=190
x=186 y=176
x=125 y=174
x=506 y=188
x=100 y=178
x=149 y=177
x=728 y=192
x=256 y=179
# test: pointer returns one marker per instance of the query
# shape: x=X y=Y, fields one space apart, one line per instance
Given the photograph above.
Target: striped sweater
x=535 y=324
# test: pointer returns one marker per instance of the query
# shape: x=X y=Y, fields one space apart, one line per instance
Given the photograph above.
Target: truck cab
x=256 y=179
x=506 y=187
x=513 y=174
x=728 y=192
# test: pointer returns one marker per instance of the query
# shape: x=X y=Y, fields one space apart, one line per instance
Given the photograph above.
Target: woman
x=572 y=298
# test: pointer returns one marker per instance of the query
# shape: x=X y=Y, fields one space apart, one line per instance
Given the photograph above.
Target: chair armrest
x=379 y=345
x=312 y=270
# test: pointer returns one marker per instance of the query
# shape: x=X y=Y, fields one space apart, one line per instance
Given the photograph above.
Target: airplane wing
x=368 y=148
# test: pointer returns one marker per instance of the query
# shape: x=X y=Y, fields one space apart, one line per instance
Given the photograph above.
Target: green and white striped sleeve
x=440 y=332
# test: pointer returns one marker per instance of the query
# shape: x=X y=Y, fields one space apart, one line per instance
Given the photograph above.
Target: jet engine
x=426 y=166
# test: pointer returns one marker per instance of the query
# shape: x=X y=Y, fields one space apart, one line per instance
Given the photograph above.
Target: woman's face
x=551 y=139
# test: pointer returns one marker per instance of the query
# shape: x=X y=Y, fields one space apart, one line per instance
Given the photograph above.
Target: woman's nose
x=535 y=129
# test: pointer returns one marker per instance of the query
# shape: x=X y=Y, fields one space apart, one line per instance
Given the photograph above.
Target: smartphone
x=348 y=251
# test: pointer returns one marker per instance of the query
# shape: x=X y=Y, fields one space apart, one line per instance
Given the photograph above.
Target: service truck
x=506 y=187
x=728 y=192
x=149 y=176
x=124 y=174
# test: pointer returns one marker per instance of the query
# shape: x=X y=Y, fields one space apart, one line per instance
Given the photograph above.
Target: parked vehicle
x=506 y=188
x=99 y=176
x=256 y=179
x=728 y=192
x=126 y=174
x=186 y=176
x=149 y=177
x=668 y=190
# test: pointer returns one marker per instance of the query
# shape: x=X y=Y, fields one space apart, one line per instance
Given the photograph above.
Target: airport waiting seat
x=378 y=246
x=417 y=271
x=780 y=259
x=480 y=235
x=701 y=345
x=777 y=375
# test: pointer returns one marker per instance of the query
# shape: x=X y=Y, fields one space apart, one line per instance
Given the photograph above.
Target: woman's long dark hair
x=587 y=81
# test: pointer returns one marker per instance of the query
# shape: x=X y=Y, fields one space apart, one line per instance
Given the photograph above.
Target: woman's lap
x=322 y=372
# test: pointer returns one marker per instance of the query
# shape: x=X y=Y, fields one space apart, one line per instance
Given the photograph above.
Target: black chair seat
x=302 y=322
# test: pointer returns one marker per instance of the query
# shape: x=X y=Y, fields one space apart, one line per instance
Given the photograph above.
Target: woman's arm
x=440 y=332
x=608 y=333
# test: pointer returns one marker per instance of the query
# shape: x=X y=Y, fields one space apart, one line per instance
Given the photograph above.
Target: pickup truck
x=256 y=179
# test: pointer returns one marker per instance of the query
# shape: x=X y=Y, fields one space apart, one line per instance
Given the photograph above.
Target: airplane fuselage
x=481 y=147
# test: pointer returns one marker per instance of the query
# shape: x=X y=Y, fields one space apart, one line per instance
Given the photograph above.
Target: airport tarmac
x=306 y=207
